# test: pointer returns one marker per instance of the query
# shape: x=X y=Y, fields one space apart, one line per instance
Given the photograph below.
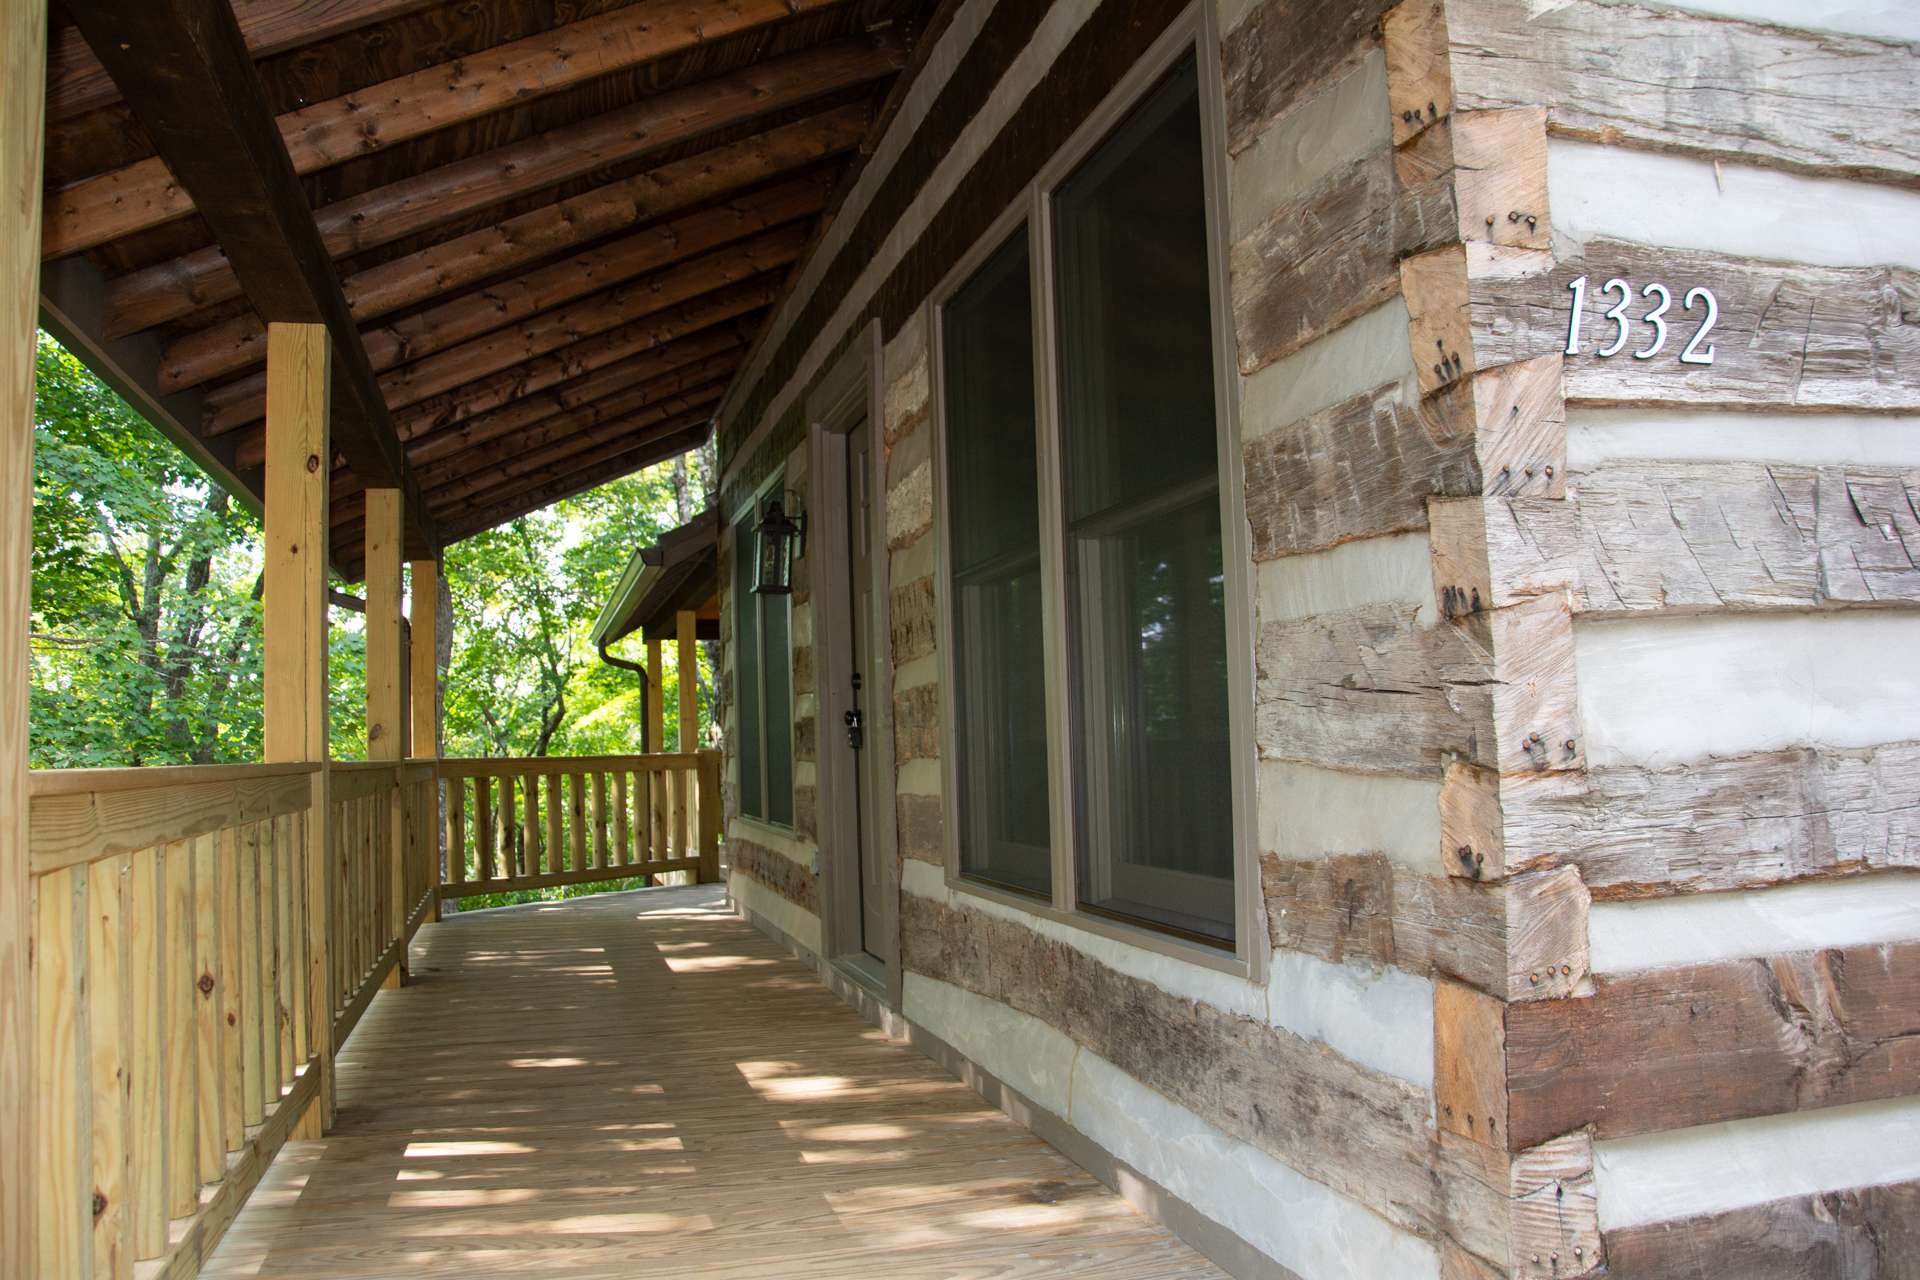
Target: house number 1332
x=1697 y=350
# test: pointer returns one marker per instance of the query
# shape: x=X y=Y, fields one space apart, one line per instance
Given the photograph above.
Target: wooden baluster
x=252 y=1076
x=599 y=791
x=283 y=891
x=109 y=1022
x=556 y=852
x=183 y=1126
x=657 y=786
x=709 y=801
x=577 y=820
x=530 y=835
x=227 y=991
x=621 y=834
x=483 y=825
x=457 y=830
x=208 y=979
x=302 y=997
x=510 y=857
x=60 y=1172
x=146 y=1180
x=672 y=779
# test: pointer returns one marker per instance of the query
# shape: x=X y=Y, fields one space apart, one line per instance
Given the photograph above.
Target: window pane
x=776 y=657
x=746 y=671
x=1146 y=586
x=994 y=522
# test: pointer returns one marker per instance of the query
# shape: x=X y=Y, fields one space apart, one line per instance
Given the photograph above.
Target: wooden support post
x=688 y=664
x=424 y=621
x=654 y=803
x=709 y=817
x=386 y=708
x=23 y=62
x=294 y=680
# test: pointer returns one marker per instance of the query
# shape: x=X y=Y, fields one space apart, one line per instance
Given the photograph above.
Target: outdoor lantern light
x=782 y=539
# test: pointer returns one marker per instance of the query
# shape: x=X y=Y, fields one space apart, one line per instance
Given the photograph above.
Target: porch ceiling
x=544 y=232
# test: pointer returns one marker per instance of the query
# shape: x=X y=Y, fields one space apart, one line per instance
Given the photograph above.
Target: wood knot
x=99 y=1203
x=313 y=463
x=206 y=984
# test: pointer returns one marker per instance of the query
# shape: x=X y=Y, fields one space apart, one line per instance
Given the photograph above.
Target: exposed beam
x=240 y=343
x=170 y=290
x=718 y=345
x=549 y=459
x=189 y=81
x=736 y=311
x=323 y=134
x=465 y=526
x=241 y=400
x=565 y=461
x=460 y=454
x=77 y=83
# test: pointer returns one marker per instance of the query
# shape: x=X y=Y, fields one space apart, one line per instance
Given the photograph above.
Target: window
x=1143 y=572
x=1088 y=606
x=763 y=687
x=999 y=681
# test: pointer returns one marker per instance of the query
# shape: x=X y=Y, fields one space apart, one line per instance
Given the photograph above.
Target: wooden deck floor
x=641 y=1085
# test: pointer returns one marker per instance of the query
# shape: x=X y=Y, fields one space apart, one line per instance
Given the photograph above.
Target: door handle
x=855 y=729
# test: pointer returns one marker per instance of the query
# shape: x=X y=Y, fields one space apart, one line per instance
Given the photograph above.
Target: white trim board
x=1596 y=436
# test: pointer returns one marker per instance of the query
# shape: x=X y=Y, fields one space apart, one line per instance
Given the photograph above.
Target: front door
x=868 y=755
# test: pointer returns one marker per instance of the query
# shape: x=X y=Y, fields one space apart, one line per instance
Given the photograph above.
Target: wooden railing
x=383 y=854
x=176 y=1030
x=538 y=822
x=196 y=962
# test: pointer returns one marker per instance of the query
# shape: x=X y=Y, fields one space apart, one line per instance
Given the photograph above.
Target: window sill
x=1139 y=936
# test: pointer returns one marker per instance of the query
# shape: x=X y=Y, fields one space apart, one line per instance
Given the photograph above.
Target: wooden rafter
x=77 y=83
x=145 y=194
x=240 y=343
x=638 y=299
x=488 y=509
x=441 y=456
x=187 y=76
x=180 y=286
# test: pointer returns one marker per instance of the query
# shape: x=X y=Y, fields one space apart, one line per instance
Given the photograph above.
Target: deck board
x=642 y=1085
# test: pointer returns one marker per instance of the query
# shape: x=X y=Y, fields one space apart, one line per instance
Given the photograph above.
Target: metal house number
x=1697 y=350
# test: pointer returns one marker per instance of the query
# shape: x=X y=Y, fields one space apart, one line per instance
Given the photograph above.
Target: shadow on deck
x=640 y=1084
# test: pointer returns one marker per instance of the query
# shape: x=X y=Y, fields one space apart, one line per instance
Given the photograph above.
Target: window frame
x=1030 y=213
x=746 y=515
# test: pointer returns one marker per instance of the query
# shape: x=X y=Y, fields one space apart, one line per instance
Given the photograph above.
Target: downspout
x=641 y=671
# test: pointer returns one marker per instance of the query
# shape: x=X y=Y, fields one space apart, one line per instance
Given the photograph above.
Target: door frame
x=850 y=391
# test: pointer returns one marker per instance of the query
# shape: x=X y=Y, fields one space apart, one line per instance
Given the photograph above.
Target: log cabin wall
x=1586 y=761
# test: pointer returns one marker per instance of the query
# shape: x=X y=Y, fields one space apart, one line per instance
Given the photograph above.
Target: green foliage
x=146 y=606
x=146 y=613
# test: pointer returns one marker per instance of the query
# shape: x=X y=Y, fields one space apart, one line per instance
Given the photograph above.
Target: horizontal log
x=1282 y=50
x=77 y=83
x=1670 y=80
x=171 y=290
x=73 y=827
x=243 y=400
x=465 y=187
x=1693 y=536
x=1721 y=823
x=1699 y=1044
x=1788 y=335
x=1863 y=1233
x=776 y=871
x=1359 y=1131
x=523 y=766
x=241 y=342
x=323 y=134
x=1375 y=689
x=66 y=782
x=1523 y=939
x=1331 y=254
